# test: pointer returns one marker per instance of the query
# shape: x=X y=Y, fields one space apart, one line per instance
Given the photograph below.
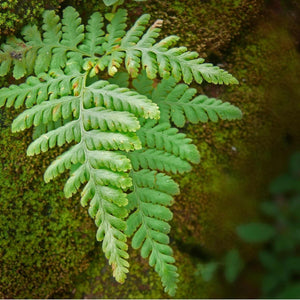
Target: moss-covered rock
x=45 y=239
x=14 y=14
x=207 y=27
x=142 y=281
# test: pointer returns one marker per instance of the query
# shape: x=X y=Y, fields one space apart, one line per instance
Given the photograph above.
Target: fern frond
x=97 y=158
x=64 y=162
x=160 y=58
x=133 y=35
x=116 y=30
x=51 y=125
x=163 y=137
x=203 y=109
x=113 y=97
x=36 y=90
x=60 y=42
x=177 y=102
x=15 y=55
x=163 y=89
x=158 y=160
x=105 y=119
x=94 y=37
x=112 y=141
x=51 y=37
x=130 y=39
x=179 y=106
x=148 y=224
x=121 y=79
x=67 y=133
x=143 y=85
x=51 y=50
x=47 y=111
x=107 y=207
x=107 y=123
x=72 y=35
x=100 y=118
x=72 y=28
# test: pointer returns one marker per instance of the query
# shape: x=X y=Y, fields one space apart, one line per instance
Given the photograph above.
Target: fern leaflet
x=148 y=223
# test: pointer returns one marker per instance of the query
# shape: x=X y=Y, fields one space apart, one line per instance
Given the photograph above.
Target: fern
x=166 y=150
x=152 y=192
x=176 y=102
x=124 y=143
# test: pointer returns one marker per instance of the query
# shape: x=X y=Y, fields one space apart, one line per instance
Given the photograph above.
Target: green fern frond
x=163 y=137
x=133 y=35
x=59 y=136
x=163 y=149
x=113 y=97
x=178 y=104
x=94 y=37
x=160 y=58
x=60 y=42
x=112 y=141
x=116 y=30
x=132 y=38
x=148 y=223
x=47 y=111
x=121 y=79
x=116 y=150
x=37 y=90
x=51 y=125
x=51 y=38
x=158 y=160
x=107 y=207
x=97 y=158
x=72 y=28
x=163 y=89
x=96 y=130
x=105 y=119
x=143 y=85
x=15 y=55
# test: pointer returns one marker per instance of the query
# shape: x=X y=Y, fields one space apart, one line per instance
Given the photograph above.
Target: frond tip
x=148 y=224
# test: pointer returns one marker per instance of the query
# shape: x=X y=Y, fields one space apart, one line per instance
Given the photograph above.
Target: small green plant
x=280 y=256
x=280 y=236
x=231 y=264
x=121 y=126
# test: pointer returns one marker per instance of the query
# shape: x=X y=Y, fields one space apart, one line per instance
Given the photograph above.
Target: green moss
x=204 y=26
x=44 y=238
x=14 y=14
x=142 y=281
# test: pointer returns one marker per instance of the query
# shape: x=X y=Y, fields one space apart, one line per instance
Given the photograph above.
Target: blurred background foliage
x=47 y=242
x=279 y=236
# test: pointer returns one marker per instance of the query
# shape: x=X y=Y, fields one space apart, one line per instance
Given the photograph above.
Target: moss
x=142 y=281
x=14 y=14
x=45 y=239
x=204 y=26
